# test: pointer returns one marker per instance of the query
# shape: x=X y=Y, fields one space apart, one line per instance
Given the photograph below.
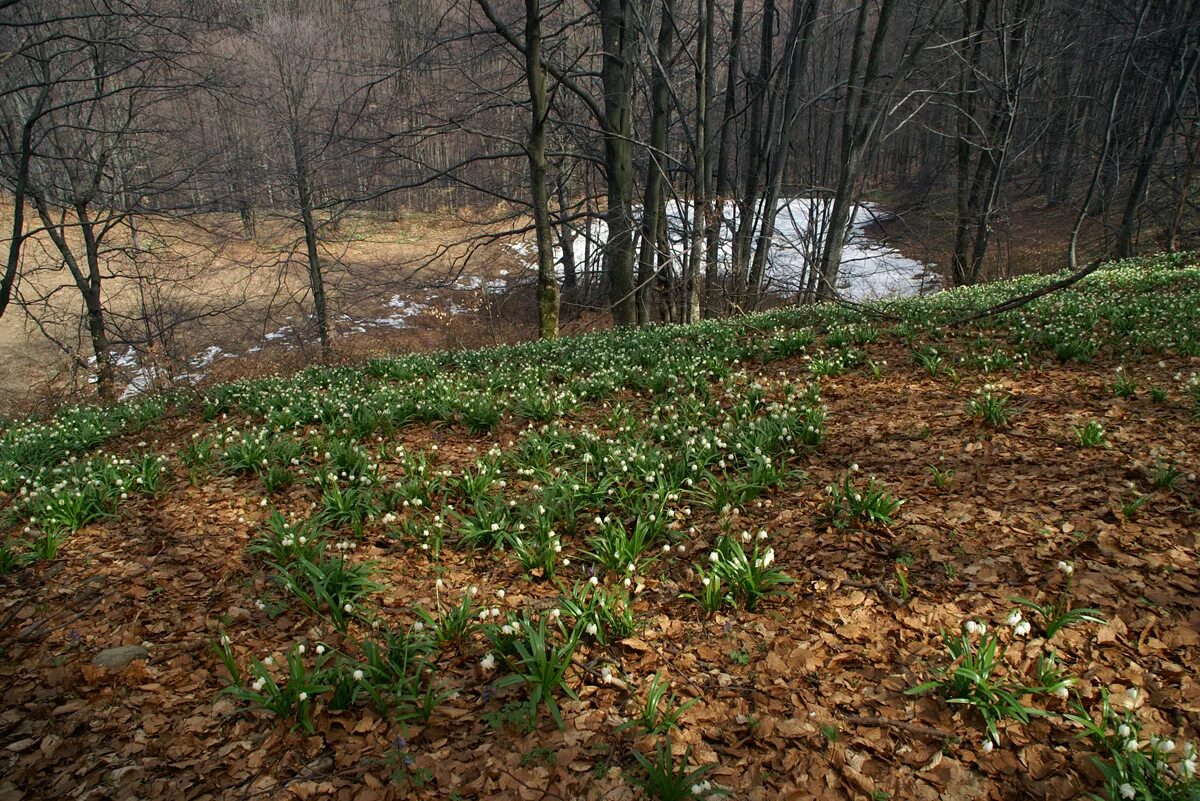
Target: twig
x=1021 y=300
x=862 y=585
x=914 y=728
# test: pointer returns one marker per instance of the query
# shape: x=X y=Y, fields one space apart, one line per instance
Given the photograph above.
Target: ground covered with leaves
x=828 y=552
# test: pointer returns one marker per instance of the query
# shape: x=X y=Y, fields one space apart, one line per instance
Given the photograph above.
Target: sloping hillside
x=775 y=557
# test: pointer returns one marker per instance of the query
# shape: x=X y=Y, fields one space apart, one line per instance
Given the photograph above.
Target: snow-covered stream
x=869 y=269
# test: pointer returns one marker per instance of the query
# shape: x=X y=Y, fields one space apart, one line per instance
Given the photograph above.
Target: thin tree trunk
x=1153 y=142
x=566 y=235
x=720 y=185
x=1110 y=122
x=316 y=279
x=804 y=13
x=1185 y=183
x=653 y=206
x=699 y=206
x=547 y=285
x=756 y=155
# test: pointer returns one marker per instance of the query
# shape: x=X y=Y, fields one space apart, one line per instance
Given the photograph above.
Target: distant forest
x=545 y=118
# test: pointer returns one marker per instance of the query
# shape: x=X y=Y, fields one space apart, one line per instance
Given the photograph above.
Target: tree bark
x=547 y=285
x=316 y=278
x=1167 y=112
x=653 y=205
x=617 y=34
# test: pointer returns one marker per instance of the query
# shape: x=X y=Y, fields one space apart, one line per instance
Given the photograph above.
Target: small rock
x=120 y=657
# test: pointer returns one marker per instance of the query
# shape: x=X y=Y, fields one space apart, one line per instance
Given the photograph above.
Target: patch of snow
x=869 y=269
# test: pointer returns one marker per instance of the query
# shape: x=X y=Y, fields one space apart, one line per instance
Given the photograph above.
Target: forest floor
x=802 y=697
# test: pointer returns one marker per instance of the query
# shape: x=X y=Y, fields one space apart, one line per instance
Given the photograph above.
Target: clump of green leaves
x=538 y=656
x=291 y=695
x=847 y=505
x=991 y=406
x=1089 y=435
x=1133 y=768
x=660 y=710
x=737 y=577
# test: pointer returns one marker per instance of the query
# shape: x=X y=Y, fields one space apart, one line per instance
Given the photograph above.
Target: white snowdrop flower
x=593 y=581
x=1123 y=730
x=705 y=580
x=303 y=696
x=1066 y=567
x=358 y=675
x=347 y=608
x=320 y=650
x=268 y=661
x=1131 y=745
x=488 y=662
x=1131 y=697
x=972 y=627
x=418 y=626
x=439 y=584
x=666 y=548
x=300 y=648
x=1062 y=692
x=555 y=613
x=988 y=746
x=1128 y=791
x=1014 y=617
x=762 y=534
x=682 y=548
x=714 y=557
x=473 y=591
x=1022 y=628
x=606 y=674
x=1165 y=746
x=500 y=594
x=495 y=611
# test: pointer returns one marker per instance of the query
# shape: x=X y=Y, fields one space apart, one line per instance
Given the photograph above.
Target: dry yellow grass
x=240 y=290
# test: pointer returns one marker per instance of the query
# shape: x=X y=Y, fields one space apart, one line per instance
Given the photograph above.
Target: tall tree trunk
x=653 y=205
x=804 y=14
x=1109 y=124
x=1190 y=56
x=852 y=147
x=617 y=34
x=316 y=278
x=699 y=207
x=971 y=41
x=720 y=180
x=1185 y=184
x=20 y=184
x=547 y=285
x=755 y=159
